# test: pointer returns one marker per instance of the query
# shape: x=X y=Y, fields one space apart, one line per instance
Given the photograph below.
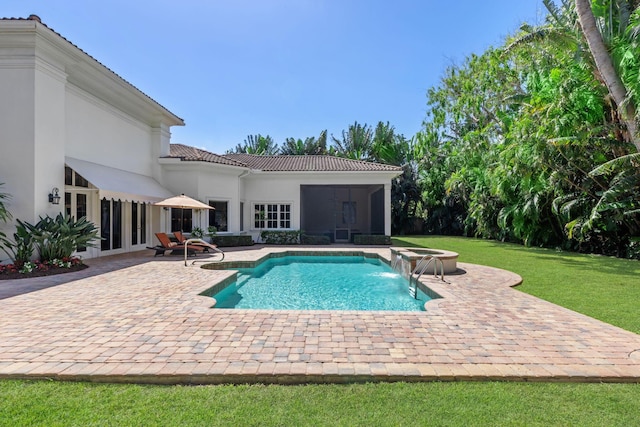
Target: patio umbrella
x=182 y=202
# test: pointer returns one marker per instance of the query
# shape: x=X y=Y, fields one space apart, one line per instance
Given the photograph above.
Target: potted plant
x=197 y=232
x=211 y=232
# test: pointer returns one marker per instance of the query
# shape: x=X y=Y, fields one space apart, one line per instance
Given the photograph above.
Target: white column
x=387 y=209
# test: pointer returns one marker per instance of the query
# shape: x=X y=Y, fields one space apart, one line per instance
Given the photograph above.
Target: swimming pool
x=320 y=283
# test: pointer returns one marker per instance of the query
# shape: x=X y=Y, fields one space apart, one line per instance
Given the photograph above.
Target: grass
x=601 y=287
x=604 y=288
x=398 y=404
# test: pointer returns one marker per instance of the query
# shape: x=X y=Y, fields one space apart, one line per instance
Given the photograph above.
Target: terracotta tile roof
x=193 y=154
x=279 y=163
x=37 y=19
x=308 y=163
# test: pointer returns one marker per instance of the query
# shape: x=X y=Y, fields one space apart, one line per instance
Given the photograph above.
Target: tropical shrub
x=5 y=216
x=59 y=237
x=291 y=237
x=21 y=248
x=371 y=239
x=229 y=241
x=309 y=239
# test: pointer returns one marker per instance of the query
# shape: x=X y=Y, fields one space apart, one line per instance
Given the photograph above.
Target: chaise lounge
x=176 y=248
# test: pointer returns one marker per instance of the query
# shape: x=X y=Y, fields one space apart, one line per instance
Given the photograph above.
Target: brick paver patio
x=135 y=318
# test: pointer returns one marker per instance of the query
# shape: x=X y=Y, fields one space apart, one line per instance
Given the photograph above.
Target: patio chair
x=176 y=248
x=179 y=237
x=181 y=240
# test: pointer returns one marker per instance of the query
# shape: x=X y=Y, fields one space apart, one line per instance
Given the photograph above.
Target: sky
x=284 y=68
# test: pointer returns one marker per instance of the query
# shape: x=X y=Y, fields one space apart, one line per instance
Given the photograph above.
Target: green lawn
x=601 y=287
x=604 y=288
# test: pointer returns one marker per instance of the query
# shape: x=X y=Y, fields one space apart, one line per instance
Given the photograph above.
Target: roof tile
x=280 y=163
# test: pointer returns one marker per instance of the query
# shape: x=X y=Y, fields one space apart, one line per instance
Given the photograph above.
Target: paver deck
x=135 y=318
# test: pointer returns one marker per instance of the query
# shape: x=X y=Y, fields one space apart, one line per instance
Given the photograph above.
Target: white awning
x=119 y=184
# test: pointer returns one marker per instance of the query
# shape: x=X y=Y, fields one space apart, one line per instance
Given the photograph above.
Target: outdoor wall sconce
x=54 y=197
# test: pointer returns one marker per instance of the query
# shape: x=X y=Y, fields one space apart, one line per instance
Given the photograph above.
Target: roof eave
x=85 y=72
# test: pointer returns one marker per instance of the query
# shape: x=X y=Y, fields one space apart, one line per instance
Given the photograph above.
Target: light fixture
x=54 y=197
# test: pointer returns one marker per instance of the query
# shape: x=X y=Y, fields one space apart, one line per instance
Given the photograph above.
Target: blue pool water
x=320 y=283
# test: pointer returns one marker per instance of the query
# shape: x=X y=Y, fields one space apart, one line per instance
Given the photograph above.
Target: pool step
x=241 y=279
x=412 y=291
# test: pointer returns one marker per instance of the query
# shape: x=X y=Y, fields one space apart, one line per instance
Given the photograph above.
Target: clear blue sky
x=285 y=68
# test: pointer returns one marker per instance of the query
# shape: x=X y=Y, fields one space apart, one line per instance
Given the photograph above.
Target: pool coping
x=146 y=323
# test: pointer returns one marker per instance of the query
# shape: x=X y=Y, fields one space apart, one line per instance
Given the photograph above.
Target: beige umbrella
x=182 y=202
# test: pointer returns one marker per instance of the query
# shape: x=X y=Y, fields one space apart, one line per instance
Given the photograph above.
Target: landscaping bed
x=38 y=269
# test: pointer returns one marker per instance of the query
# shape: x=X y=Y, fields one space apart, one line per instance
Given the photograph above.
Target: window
x=105 y=224
x=81 y=212
x=218 y=217
x=272 y=216
x=181 y=220
x=241 y=216
x=143 y=223
x=134 y=223
x=259 y=216
x=77 y=210
x=110 y=224
x=74 y=179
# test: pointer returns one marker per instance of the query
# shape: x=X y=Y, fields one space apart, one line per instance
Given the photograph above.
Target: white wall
x=270 y=187
x=205 y=182
x=32 y=136
x=97 y=132
x=56 y=101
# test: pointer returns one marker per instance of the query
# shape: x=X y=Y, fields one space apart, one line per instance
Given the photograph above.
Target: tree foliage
x=533 y=141
x=524 y=142
x=257 y=144
x=308 y=146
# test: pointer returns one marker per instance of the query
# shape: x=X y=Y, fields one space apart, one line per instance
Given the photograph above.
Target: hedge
x=281 y=237
x=315 y=240
x=371 y=239
x=230 y=240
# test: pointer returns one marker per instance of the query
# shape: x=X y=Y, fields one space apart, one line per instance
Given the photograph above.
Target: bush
x=59 y=237
x=307 y=239
x=371 y=239
x=281 y=237
x=228 y=241
x=22 y=245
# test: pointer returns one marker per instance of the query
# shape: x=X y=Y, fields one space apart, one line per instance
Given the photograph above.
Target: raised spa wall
x=404 y=260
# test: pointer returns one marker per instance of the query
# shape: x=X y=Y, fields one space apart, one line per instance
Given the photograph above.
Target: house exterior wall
x=273 y=187
x=58 y=102
x=206 y=182
x=99 y=133
x=32 y=137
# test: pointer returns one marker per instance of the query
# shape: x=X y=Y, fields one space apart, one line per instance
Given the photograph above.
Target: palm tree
x=356 y=142
x=309 y=146
x=257 y=144
x=605 y=66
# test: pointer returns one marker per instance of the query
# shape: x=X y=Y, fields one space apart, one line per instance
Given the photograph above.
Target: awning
x=117 y=184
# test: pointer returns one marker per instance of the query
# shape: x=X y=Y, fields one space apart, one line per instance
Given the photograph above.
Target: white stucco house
x=73 y=128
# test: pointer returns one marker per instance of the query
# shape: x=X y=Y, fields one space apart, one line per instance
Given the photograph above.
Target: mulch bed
x=51 y=271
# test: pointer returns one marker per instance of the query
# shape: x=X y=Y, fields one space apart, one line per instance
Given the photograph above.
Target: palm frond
x=628 y=161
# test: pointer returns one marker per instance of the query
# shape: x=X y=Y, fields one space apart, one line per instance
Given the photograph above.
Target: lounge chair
x=176 y=248
x=179 y=237
x=181 y=240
